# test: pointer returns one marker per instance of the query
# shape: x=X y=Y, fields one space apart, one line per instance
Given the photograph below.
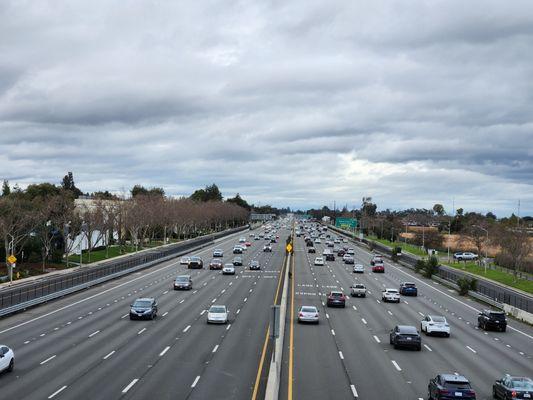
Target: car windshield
x=195 y=259
x=438 y=319
x=457 y=385
x=409 y=284
x=228 y=266
x=217 y=309
x=182 y=279
x=142 y=303
x=498 y=316
x=336 y=294
x=359 y=286
x=522 y=383
x=309 y=309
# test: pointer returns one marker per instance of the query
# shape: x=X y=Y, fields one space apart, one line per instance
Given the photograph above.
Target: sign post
x=11 y=261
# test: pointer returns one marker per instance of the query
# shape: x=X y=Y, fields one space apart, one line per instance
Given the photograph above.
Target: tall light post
x=486 y=244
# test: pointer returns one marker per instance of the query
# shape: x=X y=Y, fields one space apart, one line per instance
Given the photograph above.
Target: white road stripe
x=354 y=391
x=165 y=292
x=187 y=328
x=164 y=351
x=133 y=382
x=48 y=359
x=355 y=308
x=203 y=312
x=238 y=311
x=245 y=299
x=124 y=316
x=165 y=313
x=227 y=327
x=215 y=349
x=109 y=355
x=333 y=332
x=377 y=339
x=57 y=392
x=327 y=315
x=379 y=302
x=421 y=314
x=364 y=320
x=427 y=347
x=195 y=381
x=471 y=349
x=390 y=313
x=341 y=355
x=396 y=365
x=141 y=331
x=94 y=333
x=182 y=300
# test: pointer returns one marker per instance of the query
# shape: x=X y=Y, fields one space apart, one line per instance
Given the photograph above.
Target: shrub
x=420 y=265
x=431 y=267
x=464 y=286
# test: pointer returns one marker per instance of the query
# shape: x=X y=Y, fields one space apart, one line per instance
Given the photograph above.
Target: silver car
x=308 y=314
x=185 y=260
x=217 y=314
x=7 y=358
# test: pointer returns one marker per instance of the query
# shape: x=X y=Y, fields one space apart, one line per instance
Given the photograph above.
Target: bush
x=465 y=285
x=371 y=246
x=420 y=265
x=431 y=267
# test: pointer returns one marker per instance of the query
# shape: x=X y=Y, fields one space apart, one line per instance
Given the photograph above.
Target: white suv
x=391 y=295
x=7 y=358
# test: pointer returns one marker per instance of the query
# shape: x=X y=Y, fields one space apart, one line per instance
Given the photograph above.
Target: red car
x=215 y=264
x=378 y=268
x=335 y=298
x=248 y=244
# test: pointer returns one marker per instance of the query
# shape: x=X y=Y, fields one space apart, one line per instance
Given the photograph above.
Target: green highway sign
x=346 y=223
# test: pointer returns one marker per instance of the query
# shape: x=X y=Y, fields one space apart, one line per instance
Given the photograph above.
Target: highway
x=85 y=346
x=348 y=354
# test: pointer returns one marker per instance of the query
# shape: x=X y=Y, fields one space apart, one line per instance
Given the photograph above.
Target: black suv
x=329 y=256
x=144 y=308
x=513 y=387
x=406 y=336
x=450 y=386
x=196 y=263
x=488 y=319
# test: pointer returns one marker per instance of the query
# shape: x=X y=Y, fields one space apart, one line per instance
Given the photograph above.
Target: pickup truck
x=358 y=290
x=465 y=256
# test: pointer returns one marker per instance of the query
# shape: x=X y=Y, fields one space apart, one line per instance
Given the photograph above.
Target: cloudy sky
x=297 y=103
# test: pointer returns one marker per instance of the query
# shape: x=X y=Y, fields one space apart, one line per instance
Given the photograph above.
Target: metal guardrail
x=488 y=291
x=28 y=295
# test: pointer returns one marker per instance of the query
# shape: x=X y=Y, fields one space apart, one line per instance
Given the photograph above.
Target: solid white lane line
x=141 y=331
x=471 y=349
x=195 y=381
x=57 y=392
x=187 y=328
x=133 y=382
x=364 y=320
x=215 y=349
x=427 y=347
x=164 y=351
x=94 y=333
x=165 y=313
x=48 y=359
x=354 y=391
x=377 y=339
x=396 y=365
x=109 y=355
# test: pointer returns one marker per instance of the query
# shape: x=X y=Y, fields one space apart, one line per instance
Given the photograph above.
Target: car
x=408 y=289
x=267 y=248
x=348 y=259
x=358 y=290
x=242 y=239
x=465 y=256
x=309 y=243
x=308 y=314
x=351 y=251
x=143 y=308
x=243 y=247
x=405 y=336
x=215 y=264
x=341 y=252
x=195 y=263
x=311 y=250
x=272 y=239
x=218 y=253
x=329 y=256
x=336 y=299
x=237 y=249
x=7 y=358
x=217 y=314
x=319 y=261
x=257 y=238
x=183 y=282
x=248 y=244
x=390 y=295
x=254 y=265
x=435 y=324
x=317 y=241
x=490 y=319
x=450 y=386
x=513 y=387
x=378 y=268
x=184 y=260
x=237 y=261
x=377 y=259
x=329 y=243
x=337 y=241
x=228 y=269
x=358 y=268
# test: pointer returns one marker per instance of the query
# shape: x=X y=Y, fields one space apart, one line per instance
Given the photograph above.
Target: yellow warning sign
x=12 y=259
x=289 y=248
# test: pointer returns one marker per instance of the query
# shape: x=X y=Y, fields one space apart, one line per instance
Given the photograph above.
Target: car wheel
x=395 y=346
x=131 y=318
x=419 y=348
x=494 y=396
x=364 y=295
x=448 y=335
x=504 y=329
x=11 y=365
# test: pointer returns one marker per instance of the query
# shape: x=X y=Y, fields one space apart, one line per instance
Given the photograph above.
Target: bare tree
x=516 y=245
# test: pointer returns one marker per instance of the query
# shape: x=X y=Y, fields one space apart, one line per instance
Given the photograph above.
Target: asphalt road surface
x=85 y=346
x=348 y=354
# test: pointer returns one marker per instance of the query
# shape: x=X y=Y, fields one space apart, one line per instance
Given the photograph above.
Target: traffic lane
x=449 y=355
x=231 y=372
x=317 y=373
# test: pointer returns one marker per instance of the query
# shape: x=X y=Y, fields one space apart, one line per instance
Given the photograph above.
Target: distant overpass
x=262 y=217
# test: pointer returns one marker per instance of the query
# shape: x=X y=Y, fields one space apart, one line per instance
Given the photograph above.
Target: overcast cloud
x=297 y=103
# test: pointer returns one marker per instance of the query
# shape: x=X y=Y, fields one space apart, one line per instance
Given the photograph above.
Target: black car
x=311 y=250
x=405 y=336
x=329 y=256
x=144 y=308
x=513 y=387
x=237 y=261
x=450 y=386
x=309 y=243
x=183 y=282
x=408 y=289
x=489 y=319
x=341 y=252
x=254 y=265
x=195 y=263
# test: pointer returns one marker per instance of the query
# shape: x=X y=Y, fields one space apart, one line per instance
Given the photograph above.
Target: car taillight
x=301 y=314
x=443 y=391
x=513 y=394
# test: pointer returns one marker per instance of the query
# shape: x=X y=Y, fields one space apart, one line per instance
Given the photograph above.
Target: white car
x=351 y=252
x=319 y=261
x=217 y=314
x=358 y=268
x=218 y=253
x=228 y=269
x=317 y=240
x=435 y=324
x=344 y=240
x=391 y=295
x=7 y=358
x=242 y=239
x=358 y=290
x=185 y=260
x=308 y=314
